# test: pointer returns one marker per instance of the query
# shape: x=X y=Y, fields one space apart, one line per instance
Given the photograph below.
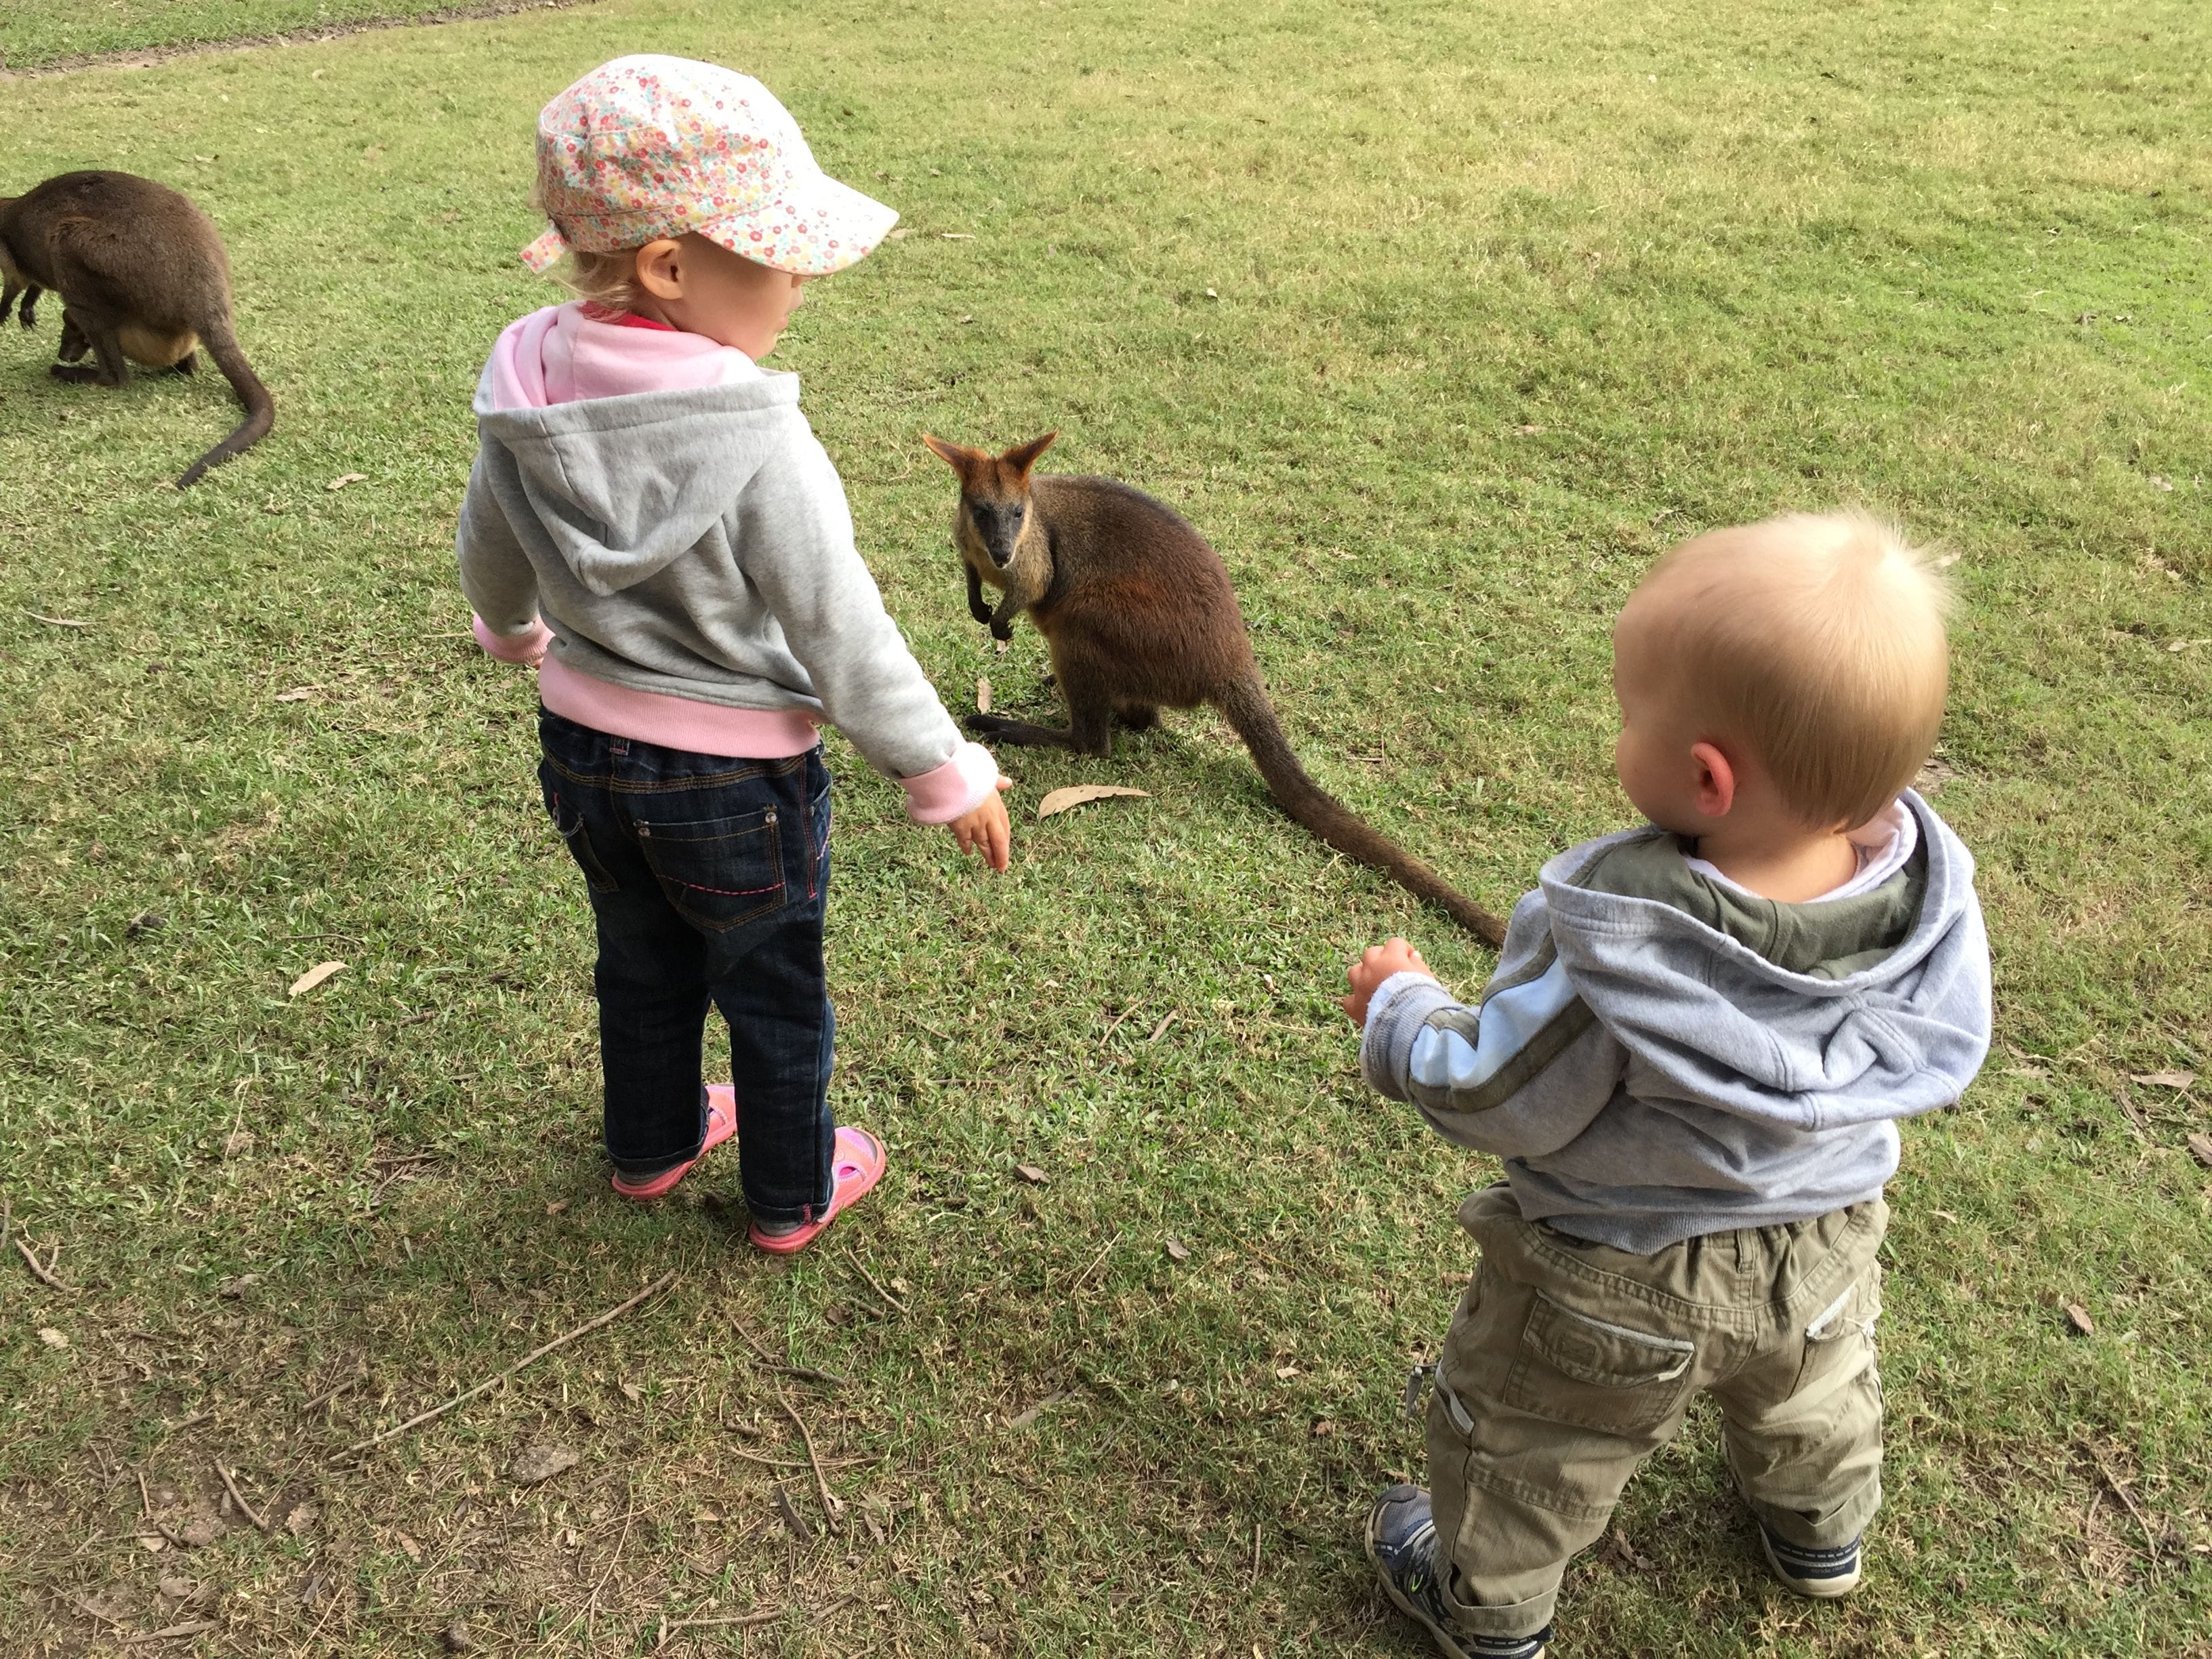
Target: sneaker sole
x=1446 y=1643
x=1814 y=1589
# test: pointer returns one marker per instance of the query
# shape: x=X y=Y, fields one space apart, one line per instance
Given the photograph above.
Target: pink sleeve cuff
x=954 y=789
x=527 y=648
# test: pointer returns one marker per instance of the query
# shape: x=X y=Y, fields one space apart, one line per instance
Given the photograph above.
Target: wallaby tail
x=260 y=408
x=1248 y=709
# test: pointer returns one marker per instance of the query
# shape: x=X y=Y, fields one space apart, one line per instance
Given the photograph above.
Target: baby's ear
x=958 y=457
x=1022 y=457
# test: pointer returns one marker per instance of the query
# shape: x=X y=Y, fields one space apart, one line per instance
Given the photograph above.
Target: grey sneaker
x=1401 y=1542
x=1822 y=1574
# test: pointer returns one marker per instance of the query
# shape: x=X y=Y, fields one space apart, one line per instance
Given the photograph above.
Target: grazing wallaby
x=142 y=276
x=1137 y=611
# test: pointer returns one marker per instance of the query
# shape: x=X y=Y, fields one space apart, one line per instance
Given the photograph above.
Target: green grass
x=35 y=33
x=1442 y=320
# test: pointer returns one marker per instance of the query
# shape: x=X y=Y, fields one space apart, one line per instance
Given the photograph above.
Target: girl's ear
x=1715 y=781
x=1022 y=457
x=958 y=457
x=659 y=268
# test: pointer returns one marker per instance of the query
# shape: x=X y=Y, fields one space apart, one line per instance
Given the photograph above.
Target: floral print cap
x=650 y=146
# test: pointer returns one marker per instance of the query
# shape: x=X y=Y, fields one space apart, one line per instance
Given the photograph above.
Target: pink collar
x=566 y=354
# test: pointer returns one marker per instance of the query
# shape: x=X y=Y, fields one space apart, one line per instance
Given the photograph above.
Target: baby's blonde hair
x=1818 y=639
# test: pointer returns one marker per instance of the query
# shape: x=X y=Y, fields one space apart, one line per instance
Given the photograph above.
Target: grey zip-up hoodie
x=691 y=544
x=1660 y=1055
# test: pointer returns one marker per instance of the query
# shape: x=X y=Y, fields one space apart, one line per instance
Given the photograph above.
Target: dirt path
x=147 y=57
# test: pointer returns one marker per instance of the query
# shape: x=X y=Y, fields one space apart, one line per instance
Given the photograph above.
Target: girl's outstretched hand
x=984 y=828
x=1376 y=963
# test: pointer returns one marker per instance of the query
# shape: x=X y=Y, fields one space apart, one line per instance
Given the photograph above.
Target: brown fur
x=143 y=278
x=1137 y=611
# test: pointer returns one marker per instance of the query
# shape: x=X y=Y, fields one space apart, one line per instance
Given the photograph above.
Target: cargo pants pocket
x=1575 y=1367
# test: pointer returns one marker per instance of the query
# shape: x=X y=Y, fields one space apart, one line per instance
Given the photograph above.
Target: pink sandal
x=859 y=1166
x=722 y=1124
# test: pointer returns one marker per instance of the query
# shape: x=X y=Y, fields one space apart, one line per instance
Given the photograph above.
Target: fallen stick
x=804 y=1373
x=43 y=1275
x=832 y=1506
x=890 y=1300
x=1095 y=1260
x=198 y=1626
x=2120 y=1492
x=237 y=1497
x=531 y=1358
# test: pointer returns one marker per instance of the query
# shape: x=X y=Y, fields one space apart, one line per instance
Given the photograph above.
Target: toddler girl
x=650 y=523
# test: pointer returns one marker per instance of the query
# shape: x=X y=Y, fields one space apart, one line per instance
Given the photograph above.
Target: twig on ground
x=890 y=1300
x=239 y=1498
x=146 y=1514
x=720 y=1621
x=804 y=1373
x=531 y=1358
x=198 y=1626
x=2150 y=1539
x=1114 y=1024
x=1095 y=1260
x=45 y=1274
x=832 y=1506
x=796 y=1462
x=328 y=1395
x=1161 y=1029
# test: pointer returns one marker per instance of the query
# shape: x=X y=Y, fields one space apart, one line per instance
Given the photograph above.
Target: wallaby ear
x=1022 y=457
x=961 y=458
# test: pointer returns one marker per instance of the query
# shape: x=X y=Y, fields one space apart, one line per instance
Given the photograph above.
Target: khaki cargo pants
x=1569 y=1362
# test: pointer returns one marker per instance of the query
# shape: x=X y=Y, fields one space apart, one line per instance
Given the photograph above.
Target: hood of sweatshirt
x=630 y=441
x=1811 y=1017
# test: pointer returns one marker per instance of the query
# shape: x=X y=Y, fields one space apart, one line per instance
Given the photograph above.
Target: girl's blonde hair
x=611 y=279
x=1817 y=639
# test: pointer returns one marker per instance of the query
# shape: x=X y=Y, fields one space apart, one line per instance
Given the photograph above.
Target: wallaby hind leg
x=1090 y=729
x=114 y=368
x=73 y=344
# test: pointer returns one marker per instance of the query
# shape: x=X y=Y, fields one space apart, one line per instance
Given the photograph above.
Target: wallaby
x=1137 y=611
x=142 y=276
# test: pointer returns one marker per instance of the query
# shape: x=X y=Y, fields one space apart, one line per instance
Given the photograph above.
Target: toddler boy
x=1691 y=1060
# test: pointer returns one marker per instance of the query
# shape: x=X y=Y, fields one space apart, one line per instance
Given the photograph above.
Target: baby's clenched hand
x=1376 y=963
x=984 y=828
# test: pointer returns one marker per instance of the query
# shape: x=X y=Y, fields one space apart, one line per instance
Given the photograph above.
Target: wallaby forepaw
x=74 y=374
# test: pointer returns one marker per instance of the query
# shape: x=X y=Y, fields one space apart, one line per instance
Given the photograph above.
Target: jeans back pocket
x=718 y=872
x=1578 y=1368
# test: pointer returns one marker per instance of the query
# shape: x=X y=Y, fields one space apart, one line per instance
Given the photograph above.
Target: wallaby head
x=994 y=494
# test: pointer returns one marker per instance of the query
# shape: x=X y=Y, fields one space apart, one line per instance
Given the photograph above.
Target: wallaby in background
x=142 y=276
x=1137 y=611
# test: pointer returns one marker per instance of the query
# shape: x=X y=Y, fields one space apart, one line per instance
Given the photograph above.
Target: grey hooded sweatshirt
x=693 y=543
x=1661 y=1055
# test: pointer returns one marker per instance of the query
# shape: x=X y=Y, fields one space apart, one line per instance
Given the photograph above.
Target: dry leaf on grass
x=1081 y=794
x=2163 y=1079
x=231 y=1288
x=301 y=1520
x=1177 y=1250
x=982 y=697
x=411 y=1549
x=2200 y=1148
x=314 y=976
x=346 y=478
x=1030 y=1173
x=542 y=1461
x=52 y=1338
x=2077 y=1316
x=298 y=693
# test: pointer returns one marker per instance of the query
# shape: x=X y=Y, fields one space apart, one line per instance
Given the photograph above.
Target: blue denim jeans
x=707 y=878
